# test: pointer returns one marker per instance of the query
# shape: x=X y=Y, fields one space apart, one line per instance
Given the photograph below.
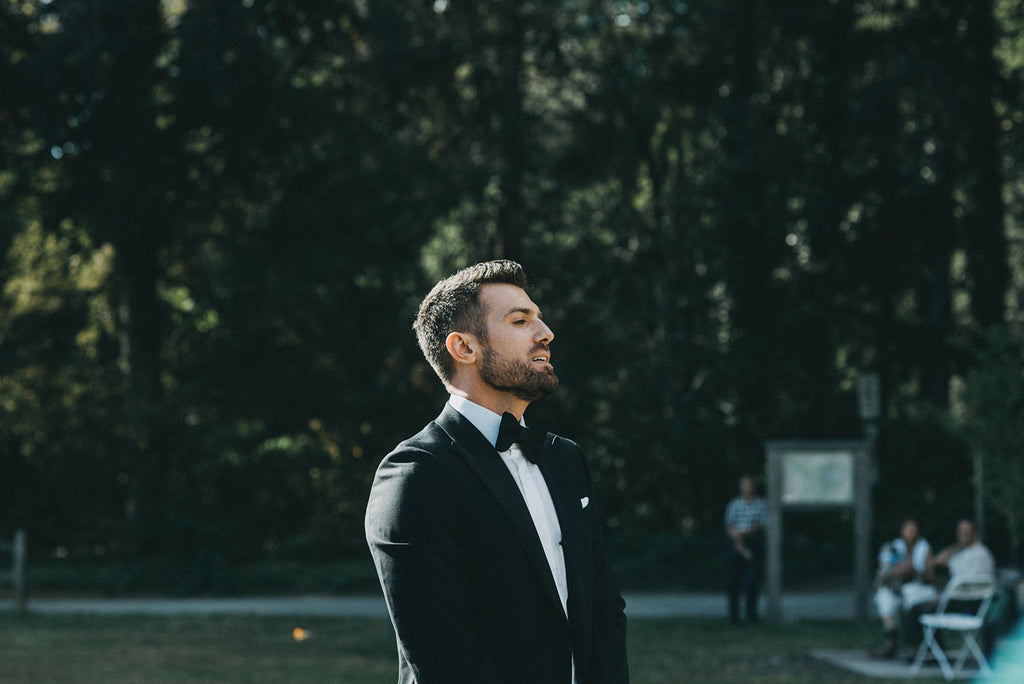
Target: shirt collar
x=485 y=420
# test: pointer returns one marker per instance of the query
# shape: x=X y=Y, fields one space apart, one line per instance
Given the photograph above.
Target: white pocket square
x=584 y=502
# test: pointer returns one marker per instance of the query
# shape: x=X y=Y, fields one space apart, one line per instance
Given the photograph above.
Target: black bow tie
x=511 y=431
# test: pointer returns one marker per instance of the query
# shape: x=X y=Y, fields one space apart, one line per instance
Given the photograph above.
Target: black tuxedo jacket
x=467 y=585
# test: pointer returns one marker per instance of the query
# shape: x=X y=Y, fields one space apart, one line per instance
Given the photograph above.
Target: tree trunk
x=984 y=236
x=140 y=361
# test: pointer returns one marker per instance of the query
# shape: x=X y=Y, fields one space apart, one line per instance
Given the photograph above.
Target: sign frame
x=835 y=459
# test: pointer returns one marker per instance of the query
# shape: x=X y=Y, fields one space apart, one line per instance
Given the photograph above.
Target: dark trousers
x=744 y=582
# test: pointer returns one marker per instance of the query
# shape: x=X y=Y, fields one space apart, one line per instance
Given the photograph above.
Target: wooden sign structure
x=819 y=475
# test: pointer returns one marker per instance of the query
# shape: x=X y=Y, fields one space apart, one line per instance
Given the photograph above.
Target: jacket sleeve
x=608 y=662
x=412 y=531
x=608 y=654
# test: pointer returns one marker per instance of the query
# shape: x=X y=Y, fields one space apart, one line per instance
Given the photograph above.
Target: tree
x=993 y=422
x=219 y=217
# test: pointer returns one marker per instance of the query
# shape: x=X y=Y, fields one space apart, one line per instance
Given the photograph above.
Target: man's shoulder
x=420 y=463
x=974 y=548
x=430 y=440
x=441 y=439
x=756 y=502
x=977 y=549
x=428 y=434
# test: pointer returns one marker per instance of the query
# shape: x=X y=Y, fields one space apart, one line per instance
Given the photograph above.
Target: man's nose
x=545 y=334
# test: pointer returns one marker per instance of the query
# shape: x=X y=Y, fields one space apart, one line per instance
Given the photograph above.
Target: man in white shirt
x=968 y=557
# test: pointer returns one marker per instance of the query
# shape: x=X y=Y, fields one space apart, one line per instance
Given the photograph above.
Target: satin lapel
x=485 y=462
x=559 y=485
x=569 y=510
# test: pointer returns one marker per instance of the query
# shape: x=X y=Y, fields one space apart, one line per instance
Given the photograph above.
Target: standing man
x=745 y=518
x=483 y=532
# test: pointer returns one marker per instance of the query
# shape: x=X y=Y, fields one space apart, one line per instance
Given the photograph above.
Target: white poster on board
x=814 y=478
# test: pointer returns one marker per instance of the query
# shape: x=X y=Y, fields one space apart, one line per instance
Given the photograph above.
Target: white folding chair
x=973 y=589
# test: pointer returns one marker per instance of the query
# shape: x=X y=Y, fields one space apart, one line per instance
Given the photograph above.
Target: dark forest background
x=217 y=218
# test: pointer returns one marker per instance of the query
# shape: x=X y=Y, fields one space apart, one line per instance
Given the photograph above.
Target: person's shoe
x=886 y=652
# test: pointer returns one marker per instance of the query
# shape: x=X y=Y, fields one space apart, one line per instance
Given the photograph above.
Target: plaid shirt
x=743 y=515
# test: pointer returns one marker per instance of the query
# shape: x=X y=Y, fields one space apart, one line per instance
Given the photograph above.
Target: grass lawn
x=115 y=650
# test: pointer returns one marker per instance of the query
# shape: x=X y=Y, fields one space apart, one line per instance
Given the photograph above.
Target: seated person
x=967 y=557
x=901 y=582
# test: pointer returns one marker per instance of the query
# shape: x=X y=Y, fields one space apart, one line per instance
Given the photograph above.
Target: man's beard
x=521 y=379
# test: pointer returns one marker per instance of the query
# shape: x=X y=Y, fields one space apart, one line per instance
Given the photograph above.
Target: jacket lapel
x=485 y=462
x=570 y=516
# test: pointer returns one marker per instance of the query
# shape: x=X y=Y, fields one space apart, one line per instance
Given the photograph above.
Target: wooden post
x=18 y=571
x=862 y=534
x=979 y=493
x=774 y=578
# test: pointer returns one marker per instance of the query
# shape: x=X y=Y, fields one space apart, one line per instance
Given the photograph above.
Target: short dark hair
x=912 y=518
x=453 y=305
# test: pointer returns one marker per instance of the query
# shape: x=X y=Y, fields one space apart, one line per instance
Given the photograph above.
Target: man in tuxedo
x=483 y=532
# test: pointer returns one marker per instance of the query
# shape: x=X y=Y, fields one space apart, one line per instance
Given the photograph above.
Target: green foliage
x=219 y=217
x=924 y=470
x=993 y=424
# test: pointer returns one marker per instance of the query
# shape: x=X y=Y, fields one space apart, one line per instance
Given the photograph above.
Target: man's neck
x=491 y=399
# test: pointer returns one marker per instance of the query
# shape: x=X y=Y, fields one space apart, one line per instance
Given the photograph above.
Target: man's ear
x=462 y=347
